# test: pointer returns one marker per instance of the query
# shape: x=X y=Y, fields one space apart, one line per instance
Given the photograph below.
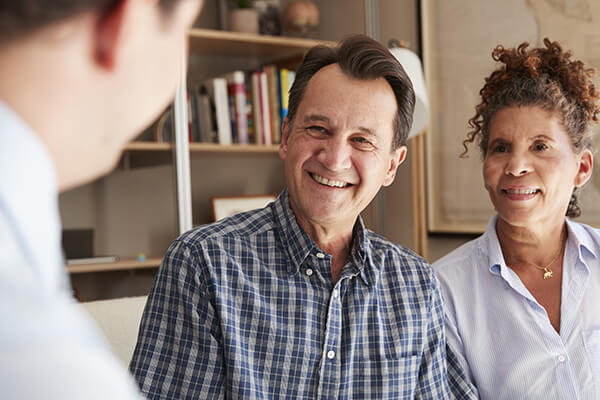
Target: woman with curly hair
x=522 y=299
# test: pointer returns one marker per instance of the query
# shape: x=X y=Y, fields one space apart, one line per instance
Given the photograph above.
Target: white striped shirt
x=503 y=336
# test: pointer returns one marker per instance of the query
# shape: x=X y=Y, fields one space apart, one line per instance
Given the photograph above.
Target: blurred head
x=547 y=79
x=20 y=17
x=365 y=59
x=110 y=67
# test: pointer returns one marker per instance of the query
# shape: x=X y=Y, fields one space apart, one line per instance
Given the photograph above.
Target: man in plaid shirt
x=299 y=300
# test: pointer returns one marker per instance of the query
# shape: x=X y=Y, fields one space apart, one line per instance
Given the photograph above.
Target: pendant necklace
x=547 y=271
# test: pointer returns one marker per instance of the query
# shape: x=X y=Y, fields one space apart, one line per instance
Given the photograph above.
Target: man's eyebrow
x=315 y=117
x=322 y=118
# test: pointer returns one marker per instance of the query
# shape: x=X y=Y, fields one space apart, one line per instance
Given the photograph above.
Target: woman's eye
x=499 y=148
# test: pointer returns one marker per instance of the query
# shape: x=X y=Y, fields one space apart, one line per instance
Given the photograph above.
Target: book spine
x=222 y=111
x=284 y=91
x=272 y=74
x=239 y=99
x=256 y=107
x=266 y=117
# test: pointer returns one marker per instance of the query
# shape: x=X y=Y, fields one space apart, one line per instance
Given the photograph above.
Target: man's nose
x=335 y=154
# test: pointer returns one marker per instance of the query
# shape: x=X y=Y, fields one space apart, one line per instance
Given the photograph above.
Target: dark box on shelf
x=78 y=243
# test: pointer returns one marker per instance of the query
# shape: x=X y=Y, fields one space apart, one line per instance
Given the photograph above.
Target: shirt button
x=331 y=354
x=320 y=255
x=309 y=272
x=561 y=358
x=336 y=293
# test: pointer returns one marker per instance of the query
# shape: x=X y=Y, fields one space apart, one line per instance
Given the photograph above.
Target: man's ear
x=285 y=127
x=107 y=33
x=398 y=157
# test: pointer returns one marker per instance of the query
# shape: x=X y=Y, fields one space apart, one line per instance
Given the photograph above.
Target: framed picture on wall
x=458 y=39
x=227 y=206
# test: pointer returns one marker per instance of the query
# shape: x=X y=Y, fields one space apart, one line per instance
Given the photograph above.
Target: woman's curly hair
x=544 y=77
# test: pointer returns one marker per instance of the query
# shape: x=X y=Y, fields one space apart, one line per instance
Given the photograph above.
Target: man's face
x=338 y=152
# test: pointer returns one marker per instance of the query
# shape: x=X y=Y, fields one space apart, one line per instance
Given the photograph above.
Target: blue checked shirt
x=247 y=308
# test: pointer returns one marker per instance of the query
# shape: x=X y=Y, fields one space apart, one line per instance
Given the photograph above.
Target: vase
x=243 y=20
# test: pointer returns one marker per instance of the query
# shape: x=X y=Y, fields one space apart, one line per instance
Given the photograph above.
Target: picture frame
x=456 y=65
x=228 y=206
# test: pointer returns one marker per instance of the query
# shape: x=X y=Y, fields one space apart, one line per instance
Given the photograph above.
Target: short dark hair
x=19 y=17
x=362 y=58
x=544 y=77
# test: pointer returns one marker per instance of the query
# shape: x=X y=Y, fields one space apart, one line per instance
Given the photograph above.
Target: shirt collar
x=497 y=264
x=29 y=194
x=578 y=236
x=581 y=238
x=299 y=245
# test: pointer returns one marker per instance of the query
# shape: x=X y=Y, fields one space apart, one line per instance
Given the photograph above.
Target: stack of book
x=245 y=107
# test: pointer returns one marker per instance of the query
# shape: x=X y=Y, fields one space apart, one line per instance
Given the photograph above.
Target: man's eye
x=317 y=129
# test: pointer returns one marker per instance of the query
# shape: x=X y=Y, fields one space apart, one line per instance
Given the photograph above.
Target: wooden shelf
x=122 y=265
x=204 y=148
x=238 y=149
x=225 y=43
x=148 y=146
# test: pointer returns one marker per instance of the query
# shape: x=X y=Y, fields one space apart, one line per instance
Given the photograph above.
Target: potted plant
x=243 y=17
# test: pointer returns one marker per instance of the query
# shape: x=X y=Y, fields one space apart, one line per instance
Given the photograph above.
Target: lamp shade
x=412 y=65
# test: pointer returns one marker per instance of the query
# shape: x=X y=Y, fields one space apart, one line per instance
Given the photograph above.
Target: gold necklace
x=547 y=271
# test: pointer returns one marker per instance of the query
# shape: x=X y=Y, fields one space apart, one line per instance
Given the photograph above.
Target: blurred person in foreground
x=78 y=80
x=299 y=300
x=522 y=300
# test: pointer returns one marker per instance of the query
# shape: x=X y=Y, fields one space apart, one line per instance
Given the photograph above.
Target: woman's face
x=530 y=168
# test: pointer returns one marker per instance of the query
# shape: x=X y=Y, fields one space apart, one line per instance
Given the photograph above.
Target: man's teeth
x=325 y=181
x=521 y=191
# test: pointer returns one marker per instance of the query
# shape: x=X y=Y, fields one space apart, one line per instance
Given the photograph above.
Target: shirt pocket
x=386 y=378
x=591 y=340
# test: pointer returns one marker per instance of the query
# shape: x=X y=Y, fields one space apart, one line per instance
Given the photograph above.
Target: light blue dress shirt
x=49 y=348
x=503 y=336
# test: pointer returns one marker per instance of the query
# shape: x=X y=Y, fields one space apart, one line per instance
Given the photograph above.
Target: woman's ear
x=586 y=165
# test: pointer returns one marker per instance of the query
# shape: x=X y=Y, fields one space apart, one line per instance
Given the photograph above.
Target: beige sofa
x=119 y=320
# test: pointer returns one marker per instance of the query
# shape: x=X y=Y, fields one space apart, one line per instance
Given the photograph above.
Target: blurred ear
x=586 y=164
x=284 y=138
x=107 y=35
x=397 y=158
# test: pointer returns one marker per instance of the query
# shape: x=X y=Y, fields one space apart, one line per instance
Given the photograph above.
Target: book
x=256 y=107
x=267 y=139
x=237 y=89
x=206 y=119
x=283 y=92
x=274 y=116
x=217 y=92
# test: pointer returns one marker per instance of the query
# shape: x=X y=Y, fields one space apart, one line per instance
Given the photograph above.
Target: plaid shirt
x=247 y=308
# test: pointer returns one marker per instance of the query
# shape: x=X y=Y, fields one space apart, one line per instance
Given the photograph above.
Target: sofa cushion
x=119 y=320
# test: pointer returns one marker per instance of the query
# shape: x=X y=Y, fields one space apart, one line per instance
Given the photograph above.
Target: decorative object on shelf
x=141 y=257
x=300 y=17
x=227 y=206
x=412 y=65
x=243 y=17
x=269 y=20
